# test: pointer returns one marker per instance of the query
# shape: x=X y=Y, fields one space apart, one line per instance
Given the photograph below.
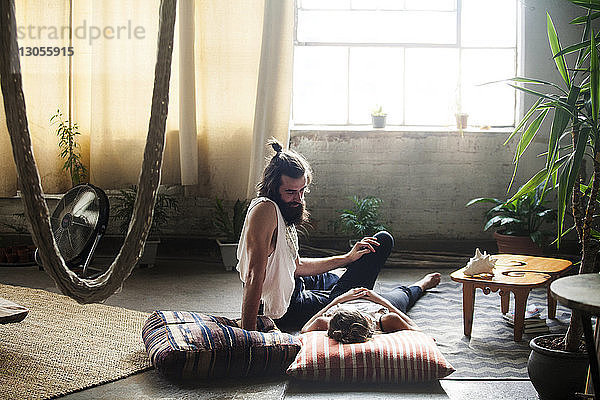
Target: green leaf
x=492 y=222
x=573 y=48
x=483 y=200
x=577 y=158
x=559 y=123
x=563 y=192
x=584 y=18
x=584 y=51
x=589 y=4
x=565 y=233
x=555 y=46
x=531 y=184
x=595 y=234
x=534 y=81
x=524 y=120
x=529 y=134
x=594 y=78
x=558 y=103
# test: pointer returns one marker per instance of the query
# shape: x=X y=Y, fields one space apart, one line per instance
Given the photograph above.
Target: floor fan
x=78 y=223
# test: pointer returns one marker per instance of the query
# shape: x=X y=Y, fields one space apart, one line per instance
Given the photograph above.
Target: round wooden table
x=582 y=293
x=513 y=273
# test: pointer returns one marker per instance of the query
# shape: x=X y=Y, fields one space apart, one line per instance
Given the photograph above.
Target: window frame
x=457 y=45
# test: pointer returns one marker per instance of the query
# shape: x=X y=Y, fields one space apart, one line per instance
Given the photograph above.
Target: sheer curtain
x=242 y=63
x=243 y=77
x=45 y=86
x=274 y=92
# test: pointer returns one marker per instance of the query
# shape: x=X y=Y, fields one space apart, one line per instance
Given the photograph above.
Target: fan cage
x=79 y=217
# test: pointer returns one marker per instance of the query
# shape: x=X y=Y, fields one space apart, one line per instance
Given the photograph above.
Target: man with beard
x=291 y=289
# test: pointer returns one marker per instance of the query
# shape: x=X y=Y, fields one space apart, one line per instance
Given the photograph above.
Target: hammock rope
x=36 y=209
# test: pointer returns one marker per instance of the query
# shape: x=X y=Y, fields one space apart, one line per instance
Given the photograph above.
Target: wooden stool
x=513 y=273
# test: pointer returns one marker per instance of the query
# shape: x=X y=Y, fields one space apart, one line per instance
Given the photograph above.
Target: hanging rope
x=36 y=210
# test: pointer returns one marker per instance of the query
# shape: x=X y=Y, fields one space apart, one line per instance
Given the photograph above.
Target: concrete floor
x=201 y=285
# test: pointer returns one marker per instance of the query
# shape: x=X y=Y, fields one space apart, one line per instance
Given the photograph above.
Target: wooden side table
x=513 y=273
x=582 y=292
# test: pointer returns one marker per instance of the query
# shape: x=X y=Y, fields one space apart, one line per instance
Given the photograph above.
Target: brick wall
x=424 y=178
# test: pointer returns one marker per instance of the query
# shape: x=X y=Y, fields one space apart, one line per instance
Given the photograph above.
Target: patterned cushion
x=184 y=345
x=405 y=356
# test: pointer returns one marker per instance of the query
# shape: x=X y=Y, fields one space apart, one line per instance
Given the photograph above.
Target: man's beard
x=293 y=213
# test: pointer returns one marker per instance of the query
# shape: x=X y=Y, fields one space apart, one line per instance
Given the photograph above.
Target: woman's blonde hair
x=349 y=326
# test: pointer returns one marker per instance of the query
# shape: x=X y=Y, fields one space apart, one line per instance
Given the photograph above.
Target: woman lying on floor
x=354 y=316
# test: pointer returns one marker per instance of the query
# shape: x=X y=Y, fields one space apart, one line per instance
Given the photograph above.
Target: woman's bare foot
x=429 y=281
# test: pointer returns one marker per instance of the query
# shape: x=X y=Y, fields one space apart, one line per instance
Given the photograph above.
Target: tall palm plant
x=573 y=138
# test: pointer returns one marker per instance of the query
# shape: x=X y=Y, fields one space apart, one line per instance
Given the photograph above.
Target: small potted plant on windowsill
x=229 y=228
x=362 y=219
x=378 y=117
x=518 y=221
x=461 y=120
x=164 y=208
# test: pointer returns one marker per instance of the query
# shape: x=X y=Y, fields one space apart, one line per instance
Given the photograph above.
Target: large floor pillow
x=189 y=345
x=405 y=356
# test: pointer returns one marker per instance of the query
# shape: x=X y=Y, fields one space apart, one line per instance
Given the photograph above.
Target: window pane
x=431 y=82
x=478 y=29
x=443 y=5
x=376 y=78
x=439 y=5
x=493 y=104
x=324 y=4
x=377 y=27
x=320 y=85
x=378 y=4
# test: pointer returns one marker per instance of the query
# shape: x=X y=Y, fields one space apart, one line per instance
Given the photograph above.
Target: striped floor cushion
x=189 y=345
x=405 y=356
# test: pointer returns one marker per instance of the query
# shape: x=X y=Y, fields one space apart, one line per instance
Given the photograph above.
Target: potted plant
x=164 y=208
x=67 y=132
x=362 y=219
x=229 y=228
x=518 y=221
x=378 y=117
x=573 y=140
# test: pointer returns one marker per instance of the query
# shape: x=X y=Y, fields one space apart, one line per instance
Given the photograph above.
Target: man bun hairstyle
x=276 y=146
x=349 y=326
x=284 y=162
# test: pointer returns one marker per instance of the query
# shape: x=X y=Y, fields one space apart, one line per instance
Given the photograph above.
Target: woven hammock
x=36 y=210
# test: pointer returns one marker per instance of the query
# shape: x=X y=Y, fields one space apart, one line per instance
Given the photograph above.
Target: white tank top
x=281 y=264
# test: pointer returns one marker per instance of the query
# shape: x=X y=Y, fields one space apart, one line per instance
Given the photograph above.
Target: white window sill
x=306 y=129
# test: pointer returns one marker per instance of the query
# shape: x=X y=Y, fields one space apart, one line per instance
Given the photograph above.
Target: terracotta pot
x=517 y=245
x=556 y=374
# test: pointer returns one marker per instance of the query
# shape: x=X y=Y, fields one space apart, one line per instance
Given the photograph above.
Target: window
x=421 y=60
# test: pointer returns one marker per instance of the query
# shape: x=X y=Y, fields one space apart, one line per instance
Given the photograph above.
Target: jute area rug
x=490 y=352
x=62 y=346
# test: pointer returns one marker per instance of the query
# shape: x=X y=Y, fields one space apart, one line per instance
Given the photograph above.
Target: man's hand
x=362 y=247
x=354 y=293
